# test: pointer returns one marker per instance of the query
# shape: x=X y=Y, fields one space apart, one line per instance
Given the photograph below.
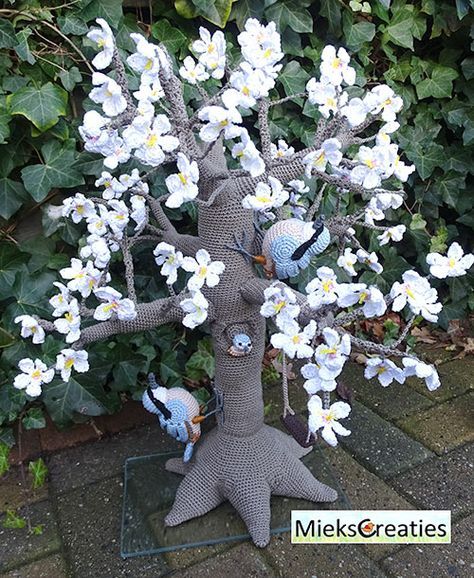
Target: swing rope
x=286 y=401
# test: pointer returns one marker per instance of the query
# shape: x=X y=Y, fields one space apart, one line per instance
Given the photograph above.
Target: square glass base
x=149 y=492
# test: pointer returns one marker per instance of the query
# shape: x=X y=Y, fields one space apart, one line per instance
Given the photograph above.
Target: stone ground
x=410 y=449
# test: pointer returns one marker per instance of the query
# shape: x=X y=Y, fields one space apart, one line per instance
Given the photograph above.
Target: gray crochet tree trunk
x=242 y=460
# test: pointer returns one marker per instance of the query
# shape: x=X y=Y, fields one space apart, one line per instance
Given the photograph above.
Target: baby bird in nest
x=241 y=345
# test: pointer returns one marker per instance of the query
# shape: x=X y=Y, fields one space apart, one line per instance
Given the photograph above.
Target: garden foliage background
x=422 y=49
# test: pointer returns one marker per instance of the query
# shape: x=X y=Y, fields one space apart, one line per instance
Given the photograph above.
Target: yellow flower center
x=263 y=198
x=80 y=209
x=267 y=53
x=410 y=293
x=329 y=350
x=381 y=369
x=362 y=298
x=110 y=306
x=245 y=91
x=319 y=161
x=279 y=306
x=387 y=102
x=100 y=43
x=330 y=102
x=296 y=339
x=36 y=374
x=211 y=48
x=149 y=64
x=328 y=417
x=224 y=122
x=336 y=63
x=202 y=272
x=327 y=285
x=69 y=363
x=452 y=262
x=151 y=140
x=183 y=178
x=370 y=163
x=69 y=317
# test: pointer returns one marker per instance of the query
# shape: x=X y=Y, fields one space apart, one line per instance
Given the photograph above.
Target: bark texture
x=242 y=460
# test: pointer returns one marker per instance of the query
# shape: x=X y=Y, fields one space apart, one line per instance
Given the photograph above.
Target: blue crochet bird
x=177 y=411
x=288 y=246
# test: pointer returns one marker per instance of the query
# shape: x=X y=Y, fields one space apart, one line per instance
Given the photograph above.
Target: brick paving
x=409 y=449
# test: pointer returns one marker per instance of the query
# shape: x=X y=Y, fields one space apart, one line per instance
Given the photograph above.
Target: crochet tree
x=258 y=213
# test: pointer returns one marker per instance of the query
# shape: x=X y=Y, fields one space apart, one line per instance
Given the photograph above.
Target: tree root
x=245 y=471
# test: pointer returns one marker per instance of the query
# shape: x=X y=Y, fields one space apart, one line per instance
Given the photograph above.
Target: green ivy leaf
x=34 y=419
x=291 y=13
x=426 y=158
x=23 y=48
x=417 y=222
x=82 y=395
x=467 y=66
x=4 y=454
x=11 y=262
x=449 y=186
x=71 y=77
x=331 y=9
x=7 y=34
x=70 y=24
x=245 y=9
x=57 y=170
x=171 y=37
x=42 y=106
x=170 y=371
x=109 y=10
x=356 y=34
x=12 y=196
x=439 y=84
x=215 y=11
x=5 y=118
x=293 y=78
x=202 y=362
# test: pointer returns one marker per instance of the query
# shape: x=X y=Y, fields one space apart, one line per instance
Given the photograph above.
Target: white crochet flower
x=193 y=71
x=70 y=324
x=170 y=259
x=196 y=309
x=323 y=289
x=205 y=271
x=423 y=371
x=219 y=119
x=335 y=67
x=330 y=152
x=454 y=264
x=183 y=185
x=78 y=208
x=124 y=309
x=83 y=278
x=30 y=328
x=108 y=93
x=69 y=359
x=294 y=341
x=35 y=373
x=266 y=196
x=347 y=260
x=104 y=40
x=326 y=420
x=417 y=292
x=385 y=370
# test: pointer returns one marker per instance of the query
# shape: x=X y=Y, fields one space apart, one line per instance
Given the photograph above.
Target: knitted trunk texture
x=242 y=460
